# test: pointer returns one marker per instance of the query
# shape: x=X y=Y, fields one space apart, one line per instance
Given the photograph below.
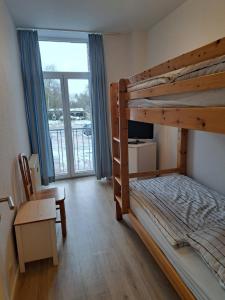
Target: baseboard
x=12 y=296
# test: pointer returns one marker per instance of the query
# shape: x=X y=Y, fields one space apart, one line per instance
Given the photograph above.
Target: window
x=66 y=77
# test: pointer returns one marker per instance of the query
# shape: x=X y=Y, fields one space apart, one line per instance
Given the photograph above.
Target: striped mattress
x=178 y=205
x=209 y=243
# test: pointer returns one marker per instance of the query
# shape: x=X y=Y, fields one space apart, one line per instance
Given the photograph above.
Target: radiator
x=35 y=172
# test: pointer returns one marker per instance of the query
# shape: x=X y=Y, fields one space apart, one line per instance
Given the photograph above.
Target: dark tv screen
x=140 y=130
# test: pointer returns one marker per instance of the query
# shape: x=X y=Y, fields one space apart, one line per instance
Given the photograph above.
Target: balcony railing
x=82 y=150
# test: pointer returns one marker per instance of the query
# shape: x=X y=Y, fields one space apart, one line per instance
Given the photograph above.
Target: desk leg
x=54 y=242
x=20 y=249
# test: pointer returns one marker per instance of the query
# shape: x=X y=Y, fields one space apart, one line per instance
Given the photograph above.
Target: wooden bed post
x=115 y=147
x=120 y=147
x=123 y=136
x=182 y=150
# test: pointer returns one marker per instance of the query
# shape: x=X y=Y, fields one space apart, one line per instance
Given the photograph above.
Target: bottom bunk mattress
x=178 y=205
x=191 y=268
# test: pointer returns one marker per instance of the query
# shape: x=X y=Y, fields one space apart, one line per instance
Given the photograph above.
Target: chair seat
x=55 y=192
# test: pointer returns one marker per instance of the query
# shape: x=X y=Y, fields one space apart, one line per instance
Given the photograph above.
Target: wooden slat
x=210 y=119
x=182 y=150
x=119 y=200
x=207 y=82
x=154 y=173
x=116 y=160
x=212 y=50
x=161 y=259
x=118 y=180
x=116 y=139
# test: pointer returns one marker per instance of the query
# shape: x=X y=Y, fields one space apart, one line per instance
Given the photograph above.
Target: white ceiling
x=91 y=15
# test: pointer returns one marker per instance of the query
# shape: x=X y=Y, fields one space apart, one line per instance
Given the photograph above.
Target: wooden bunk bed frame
x=211 y=119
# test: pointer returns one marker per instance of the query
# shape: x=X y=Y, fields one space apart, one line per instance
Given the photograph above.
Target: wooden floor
x=100 y=259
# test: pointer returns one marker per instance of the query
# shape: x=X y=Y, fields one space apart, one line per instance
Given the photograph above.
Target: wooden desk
x=36 y=232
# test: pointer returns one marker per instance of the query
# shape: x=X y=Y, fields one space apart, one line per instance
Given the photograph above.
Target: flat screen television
x=140 y=130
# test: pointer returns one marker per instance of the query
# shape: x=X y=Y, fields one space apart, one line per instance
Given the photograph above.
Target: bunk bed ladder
x=119 y=148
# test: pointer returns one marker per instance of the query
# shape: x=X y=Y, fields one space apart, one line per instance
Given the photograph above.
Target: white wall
x=138 y=51
x=117 y=56
x=193 y=24
x=13 y=139
x=125 y=54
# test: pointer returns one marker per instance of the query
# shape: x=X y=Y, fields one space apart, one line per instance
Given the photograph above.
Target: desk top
x=36 y=211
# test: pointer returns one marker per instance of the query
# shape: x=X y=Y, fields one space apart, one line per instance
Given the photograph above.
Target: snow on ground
x=82 y=146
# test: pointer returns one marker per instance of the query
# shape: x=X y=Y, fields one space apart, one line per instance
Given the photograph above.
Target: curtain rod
x=66 y=30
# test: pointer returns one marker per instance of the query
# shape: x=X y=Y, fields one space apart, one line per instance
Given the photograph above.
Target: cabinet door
x=146 y=158
x=133 y=160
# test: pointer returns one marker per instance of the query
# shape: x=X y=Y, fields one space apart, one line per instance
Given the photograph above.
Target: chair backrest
x=26 y=176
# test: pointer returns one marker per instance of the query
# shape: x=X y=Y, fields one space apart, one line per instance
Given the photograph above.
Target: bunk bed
x=187 y=92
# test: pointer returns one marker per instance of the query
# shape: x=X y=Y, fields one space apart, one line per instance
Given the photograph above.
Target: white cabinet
x=36 y=232
x=142 y=156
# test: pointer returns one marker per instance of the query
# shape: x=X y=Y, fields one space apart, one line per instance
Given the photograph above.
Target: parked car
x=87 y=129
x=54 y=114
x=77 y=115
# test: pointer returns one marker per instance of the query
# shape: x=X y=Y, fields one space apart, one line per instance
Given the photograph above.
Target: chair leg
x=63 y=218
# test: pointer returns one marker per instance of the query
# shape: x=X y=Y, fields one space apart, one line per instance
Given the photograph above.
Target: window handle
x=9 y=200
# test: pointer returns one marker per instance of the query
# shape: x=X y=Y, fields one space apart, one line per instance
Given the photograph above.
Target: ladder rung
x=117 y=160
x=116 y=139
x=118 y=180
x=119 y=200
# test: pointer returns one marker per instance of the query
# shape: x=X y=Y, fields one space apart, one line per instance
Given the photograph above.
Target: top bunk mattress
x=215 y=97
x=207 y=67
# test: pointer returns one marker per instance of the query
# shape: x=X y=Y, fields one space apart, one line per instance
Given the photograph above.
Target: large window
x=66 y=76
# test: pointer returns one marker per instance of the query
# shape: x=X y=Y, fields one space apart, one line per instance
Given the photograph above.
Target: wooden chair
x=57 y=193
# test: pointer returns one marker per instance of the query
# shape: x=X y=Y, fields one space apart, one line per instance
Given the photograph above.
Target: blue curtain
x=102 y=153
x=36 y=110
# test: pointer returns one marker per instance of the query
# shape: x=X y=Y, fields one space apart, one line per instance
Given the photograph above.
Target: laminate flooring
x=100 y=258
